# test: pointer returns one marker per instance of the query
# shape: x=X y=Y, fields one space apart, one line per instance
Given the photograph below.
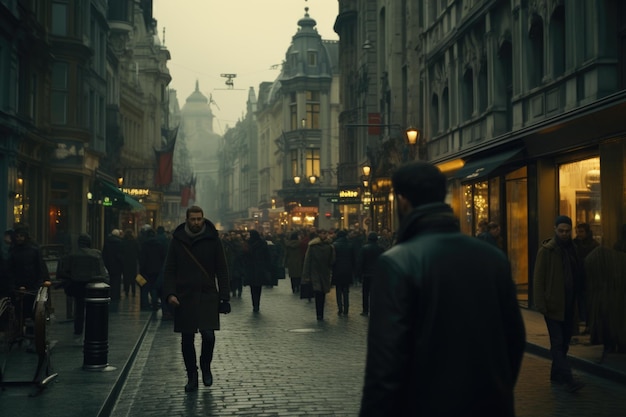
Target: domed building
x=298 y=136
x=202 y=146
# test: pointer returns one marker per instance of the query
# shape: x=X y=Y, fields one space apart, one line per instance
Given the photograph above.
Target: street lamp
x=412 y=135
x=312 y=179
x=296 y=179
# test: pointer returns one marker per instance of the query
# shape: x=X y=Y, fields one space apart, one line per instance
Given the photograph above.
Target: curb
x=109 y=403
x=581 y=364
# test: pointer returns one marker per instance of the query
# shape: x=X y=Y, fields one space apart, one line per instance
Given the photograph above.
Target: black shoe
x=192 y=382
x=365 y=313
x=207 y=376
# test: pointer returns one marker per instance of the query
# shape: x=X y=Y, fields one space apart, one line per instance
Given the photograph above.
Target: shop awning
x=482 y=167
x=134 y=204
x=111 y=191
x=119 y=198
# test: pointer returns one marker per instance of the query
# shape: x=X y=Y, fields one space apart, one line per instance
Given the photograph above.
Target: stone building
x=82 y=87
x=518 y=102
x=298 y=136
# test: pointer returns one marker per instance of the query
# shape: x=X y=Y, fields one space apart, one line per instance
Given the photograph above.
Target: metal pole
x=96 y=345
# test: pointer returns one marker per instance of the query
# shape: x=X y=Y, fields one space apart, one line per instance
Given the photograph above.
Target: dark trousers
x=367 y=282
x=320 y=299
x=189 y=350
x=295 y=284
x=255 y=292
x=560 y=336
x=343 y=298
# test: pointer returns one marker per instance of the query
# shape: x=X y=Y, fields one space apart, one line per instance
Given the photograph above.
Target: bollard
x=96 y=344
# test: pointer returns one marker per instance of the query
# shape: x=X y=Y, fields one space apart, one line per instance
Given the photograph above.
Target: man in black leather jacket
x=446 y=336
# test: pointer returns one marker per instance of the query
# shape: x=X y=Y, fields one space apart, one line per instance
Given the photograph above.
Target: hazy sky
x=207 y=38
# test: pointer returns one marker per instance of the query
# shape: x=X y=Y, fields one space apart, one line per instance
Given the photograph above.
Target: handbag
x=140 y=280
x=306 y=291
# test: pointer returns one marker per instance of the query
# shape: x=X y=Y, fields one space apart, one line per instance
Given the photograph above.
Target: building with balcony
x=298 y=135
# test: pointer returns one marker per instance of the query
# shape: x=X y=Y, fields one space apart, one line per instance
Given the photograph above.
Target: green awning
x=134 y=204
x=116 y=197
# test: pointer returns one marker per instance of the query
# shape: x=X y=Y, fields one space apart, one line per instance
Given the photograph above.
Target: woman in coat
x=131 y=261
x=293 y=261
x=343 y=269
x=318 y=263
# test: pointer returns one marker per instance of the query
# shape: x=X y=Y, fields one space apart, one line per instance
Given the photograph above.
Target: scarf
x=193 y=235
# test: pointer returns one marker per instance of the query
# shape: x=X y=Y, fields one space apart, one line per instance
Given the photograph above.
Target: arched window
x=445 y=110
x=467 y=94
x=535 y=52
x=434 y=114
x=557 y=41
x=482 y=89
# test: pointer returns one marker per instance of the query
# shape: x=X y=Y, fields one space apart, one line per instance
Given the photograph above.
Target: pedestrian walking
x=293 y=261
x=240 y=250
x=196 y=284
x=367 y=267
x=131 y=261
x=343 y=271
x=557 y=276
x=78 y=269
x=317 y=268
x=432 y=350
x=113 y=256
x=152 y=254
x=259 y=272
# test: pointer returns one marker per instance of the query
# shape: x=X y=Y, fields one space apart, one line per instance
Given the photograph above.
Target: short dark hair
x=420 y=183
x=194 y=209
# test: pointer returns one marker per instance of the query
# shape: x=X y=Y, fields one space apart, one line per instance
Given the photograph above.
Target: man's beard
x=195 y=228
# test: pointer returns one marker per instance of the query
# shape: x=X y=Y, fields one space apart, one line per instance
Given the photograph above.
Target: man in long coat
x=196 y=284
x=432 y=350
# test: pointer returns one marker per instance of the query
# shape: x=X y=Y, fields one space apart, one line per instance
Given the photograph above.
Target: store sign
x=106 y=201
x=137 y=191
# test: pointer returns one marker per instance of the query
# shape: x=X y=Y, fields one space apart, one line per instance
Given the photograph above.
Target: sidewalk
x=582 y=355
x=76 y=392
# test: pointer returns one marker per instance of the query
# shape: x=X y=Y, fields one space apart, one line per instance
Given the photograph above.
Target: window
x=59 y=19
x=312 y=58
x=293 y=156
x=467 y=107
x=434 y=114
x=33 y=98
x=313 y=109
x=557 y=40
x=579 y=193
x=312 y=162
x=293 y=112
x=535 y=54
x=59 y=93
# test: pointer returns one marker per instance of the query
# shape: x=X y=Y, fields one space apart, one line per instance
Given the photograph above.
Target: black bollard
x=96 y=345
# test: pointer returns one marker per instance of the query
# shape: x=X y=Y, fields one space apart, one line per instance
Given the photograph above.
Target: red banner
x=165 y=167
x=373 y=120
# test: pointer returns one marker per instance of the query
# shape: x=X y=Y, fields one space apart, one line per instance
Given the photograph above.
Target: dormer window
x=312 y=58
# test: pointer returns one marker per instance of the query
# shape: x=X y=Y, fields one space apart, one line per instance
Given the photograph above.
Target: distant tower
x=202 y=144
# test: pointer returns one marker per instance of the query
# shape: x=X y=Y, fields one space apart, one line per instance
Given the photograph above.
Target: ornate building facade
x=518 y=102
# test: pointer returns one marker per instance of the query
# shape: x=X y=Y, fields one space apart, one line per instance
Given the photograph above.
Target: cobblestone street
x=283 y=362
